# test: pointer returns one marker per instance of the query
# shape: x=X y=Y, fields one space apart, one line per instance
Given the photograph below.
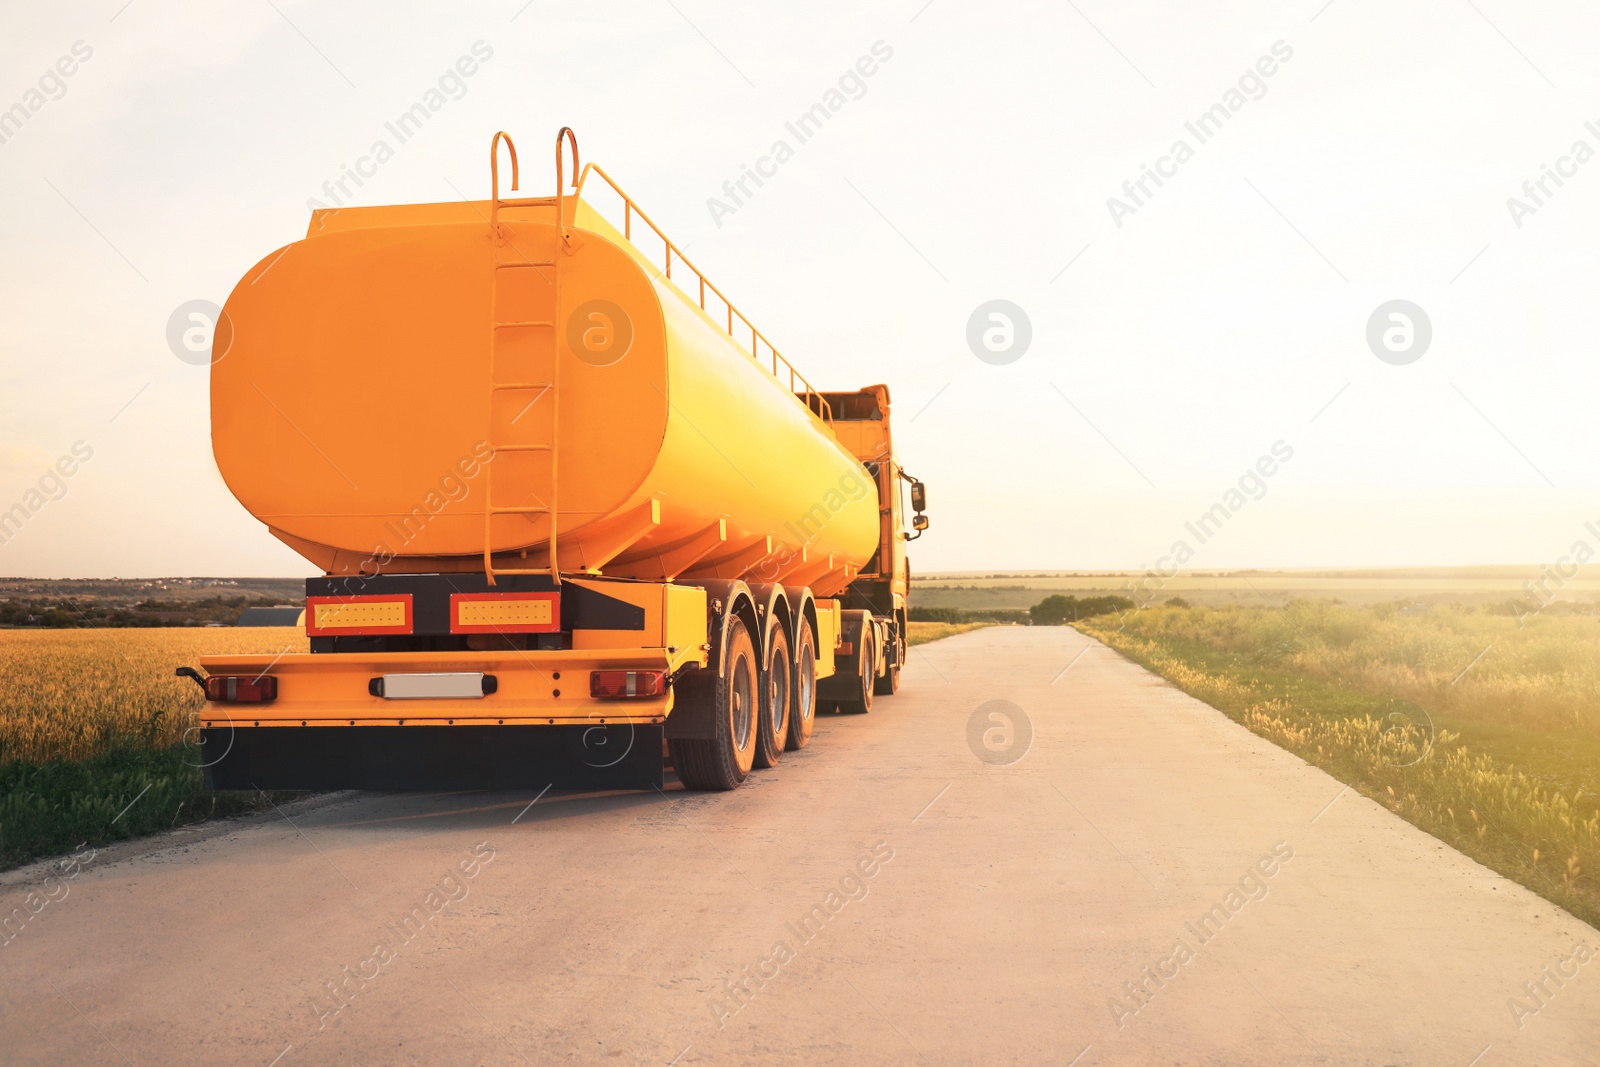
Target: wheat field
x=74 y=694
x=93 y=725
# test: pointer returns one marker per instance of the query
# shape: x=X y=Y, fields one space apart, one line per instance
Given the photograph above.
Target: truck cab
x=876 y=598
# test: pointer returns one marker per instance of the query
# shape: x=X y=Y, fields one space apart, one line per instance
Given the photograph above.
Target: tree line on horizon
x=1054 y=610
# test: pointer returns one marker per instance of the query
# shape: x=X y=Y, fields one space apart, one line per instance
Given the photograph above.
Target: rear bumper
x=614 y=756
x=546 y=688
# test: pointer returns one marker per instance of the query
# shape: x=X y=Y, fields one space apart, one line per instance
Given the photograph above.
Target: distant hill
x=69 y=603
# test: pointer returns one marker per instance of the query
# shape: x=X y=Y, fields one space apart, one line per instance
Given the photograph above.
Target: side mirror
x=919 y=499
x=919 y=522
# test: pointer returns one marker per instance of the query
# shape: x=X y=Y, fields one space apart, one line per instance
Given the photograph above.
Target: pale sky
x=1168 y=355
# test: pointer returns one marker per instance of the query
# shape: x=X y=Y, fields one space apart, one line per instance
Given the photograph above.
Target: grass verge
x=920 y=633
x=1455 y=778
x=126 y=791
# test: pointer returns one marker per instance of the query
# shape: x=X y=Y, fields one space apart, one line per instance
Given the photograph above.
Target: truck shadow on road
x=484 y=810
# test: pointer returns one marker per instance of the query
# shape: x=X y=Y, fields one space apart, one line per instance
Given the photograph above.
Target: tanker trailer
x=567 y=501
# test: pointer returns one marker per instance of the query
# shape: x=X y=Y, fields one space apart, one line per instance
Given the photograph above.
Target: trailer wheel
x=777 y=696
x=889 y=684
x=803 y=715
x=723 y=762
x=860 y=705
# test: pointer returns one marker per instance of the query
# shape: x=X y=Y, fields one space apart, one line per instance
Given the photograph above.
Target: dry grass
x=1537 y=673
x=1479 y=728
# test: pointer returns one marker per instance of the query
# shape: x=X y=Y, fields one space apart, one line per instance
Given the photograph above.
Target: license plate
x=454 y=686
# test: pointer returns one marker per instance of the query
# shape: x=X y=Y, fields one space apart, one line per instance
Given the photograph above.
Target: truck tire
x=777 y=697
x=723 y=762
x=803 y=715
x=889 y=684
x=868 y=663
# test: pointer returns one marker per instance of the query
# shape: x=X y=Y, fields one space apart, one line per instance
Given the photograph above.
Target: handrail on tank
x=572 y=139
x=494 y=173
x=823 y=409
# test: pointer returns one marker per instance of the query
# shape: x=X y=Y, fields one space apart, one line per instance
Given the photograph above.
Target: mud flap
x=694 y=707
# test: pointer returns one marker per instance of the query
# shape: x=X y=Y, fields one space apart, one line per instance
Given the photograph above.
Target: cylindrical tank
x=403 y=369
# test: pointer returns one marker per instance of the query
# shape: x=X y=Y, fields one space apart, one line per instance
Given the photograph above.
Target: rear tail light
x=621 y=685
x=253 y=689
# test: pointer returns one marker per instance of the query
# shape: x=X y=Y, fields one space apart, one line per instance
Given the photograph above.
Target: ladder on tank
x=523 y=266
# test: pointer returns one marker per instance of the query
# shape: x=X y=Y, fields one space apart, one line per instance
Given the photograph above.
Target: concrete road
x=886 y=897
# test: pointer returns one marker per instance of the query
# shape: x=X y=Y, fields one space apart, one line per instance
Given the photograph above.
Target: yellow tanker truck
x=568 y=502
